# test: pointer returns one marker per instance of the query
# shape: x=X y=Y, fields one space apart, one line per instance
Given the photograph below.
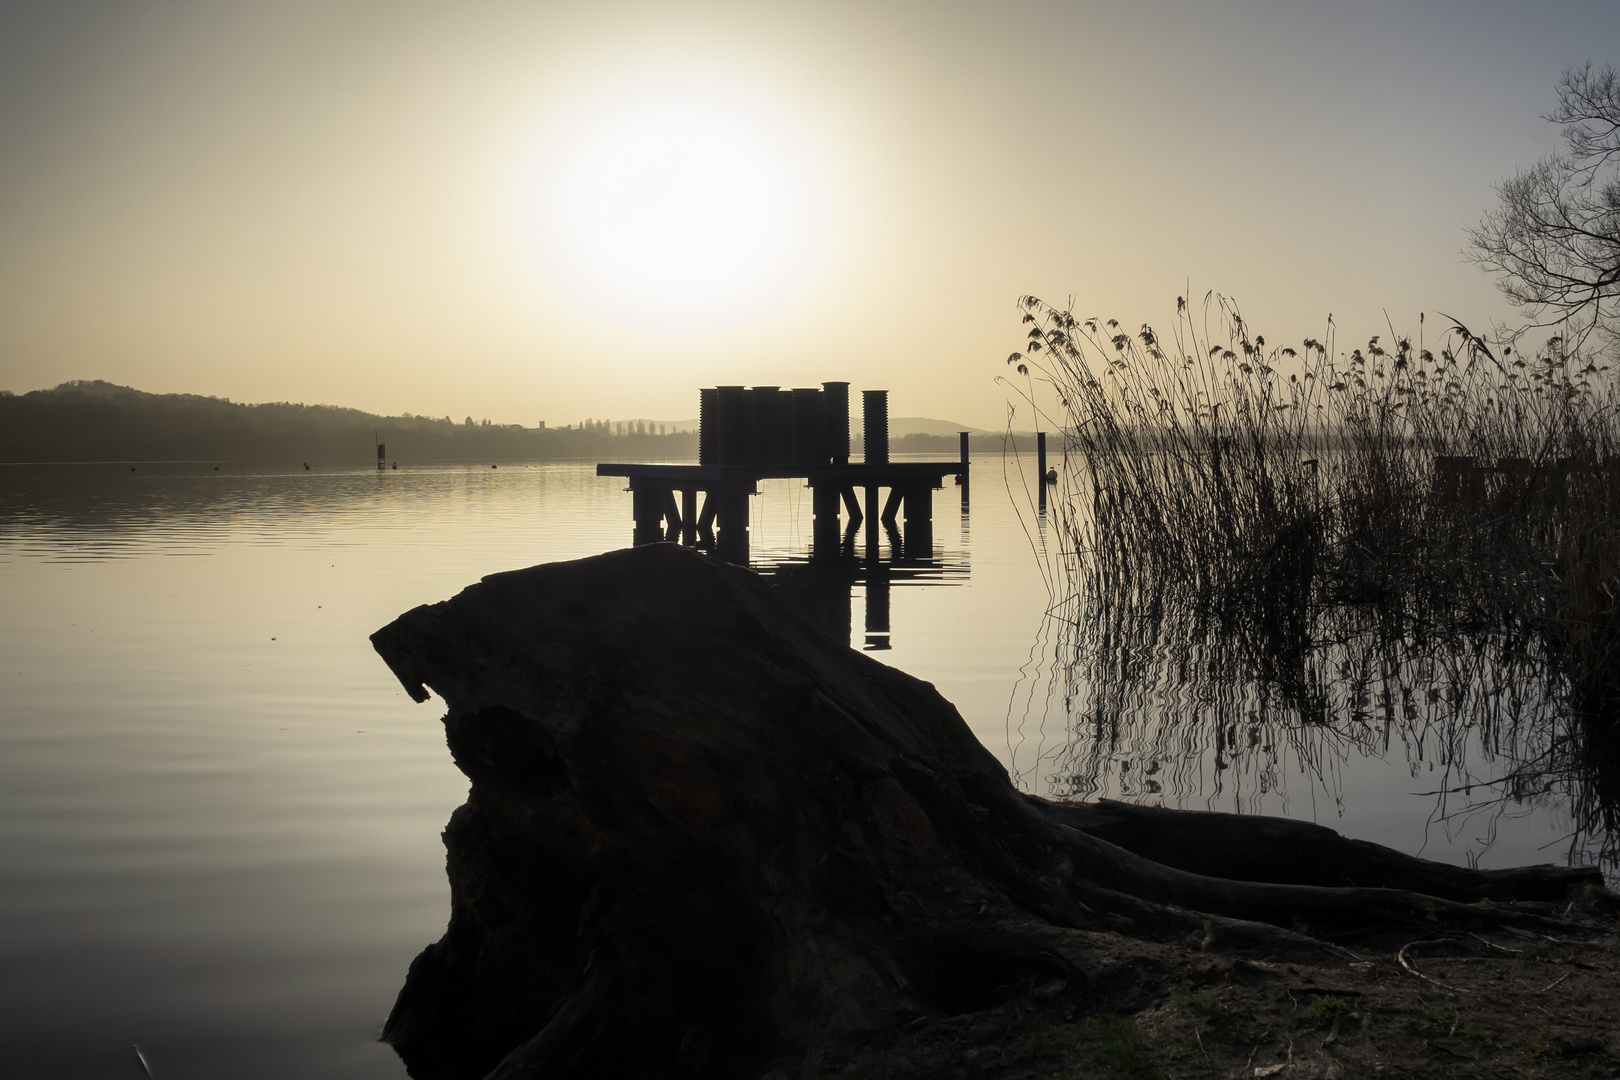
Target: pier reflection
x=822 y=589
x=874 y=553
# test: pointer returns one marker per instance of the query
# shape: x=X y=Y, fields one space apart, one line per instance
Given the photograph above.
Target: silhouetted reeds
x=1251 y=483
x=1404 y=541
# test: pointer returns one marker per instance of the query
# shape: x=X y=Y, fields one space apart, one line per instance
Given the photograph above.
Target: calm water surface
x=220 y=815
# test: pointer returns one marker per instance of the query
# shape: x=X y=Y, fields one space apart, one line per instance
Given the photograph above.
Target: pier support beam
x=891 y=505
x=877 y=609
x=826 y=534
x=853 y=505
x=731 y=543
x=919 y=535
x=873 y=524
x=689 y=511
x=705 y=525
x=672 y=516
x=707 y=506
x=647 y=507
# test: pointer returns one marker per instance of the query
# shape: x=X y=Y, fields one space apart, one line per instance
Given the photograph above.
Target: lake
x=220 y=814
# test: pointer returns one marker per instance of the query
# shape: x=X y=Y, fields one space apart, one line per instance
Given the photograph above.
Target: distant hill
x=901 y=426
x=92 y=420
x=101 y=421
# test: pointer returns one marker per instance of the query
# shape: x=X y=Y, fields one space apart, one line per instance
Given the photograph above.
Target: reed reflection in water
x=1167 y=703
x=1274 y=559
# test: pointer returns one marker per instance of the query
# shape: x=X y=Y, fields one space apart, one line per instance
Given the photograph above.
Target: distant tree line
x=100 y=421
x=626 y=428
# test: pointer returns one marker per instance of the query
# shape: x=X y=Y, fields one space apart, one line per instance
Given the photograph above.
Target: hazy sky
x=532 y=210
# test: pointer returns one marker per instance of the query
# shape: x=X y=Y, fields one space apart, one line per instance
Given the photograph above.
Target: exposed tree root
x=703 y=839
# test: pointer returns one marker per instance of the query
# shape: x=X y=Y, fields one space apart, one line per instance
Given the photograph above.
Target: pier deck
x=763 y=433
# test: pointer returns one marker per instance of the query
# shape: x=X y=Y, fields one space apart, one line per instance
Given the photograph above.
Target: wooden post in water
x=1040 y=465
x=874 y=526
x=875 y=440
x=877 y=607
x=731 y=543
x=647 y=508
x=826 y=533
x=919 y=535
x=962 y=477
x=689 y=532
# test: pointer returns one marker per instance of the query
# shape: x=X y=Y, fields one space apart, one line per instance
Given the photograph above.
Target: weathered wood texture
x=703 y=839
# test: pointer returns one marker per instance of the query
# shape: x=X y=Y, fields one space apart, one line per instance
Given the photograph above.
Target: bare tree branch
x=1554 y=241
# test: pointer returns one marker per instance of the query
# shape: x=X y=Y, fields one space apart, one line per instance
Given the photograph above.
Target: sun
x=677 y=205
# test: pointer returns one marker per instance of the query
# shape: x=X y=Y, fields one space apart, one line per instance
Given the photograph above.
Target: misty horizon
x=439 y=210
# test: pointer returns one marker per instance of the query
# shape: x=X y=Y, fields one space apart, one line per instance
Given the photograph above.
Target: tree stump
x=705 y=840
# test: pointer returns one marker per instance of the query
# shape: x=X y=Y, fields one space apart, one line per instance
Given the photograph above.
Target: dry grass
x=1508 y=1008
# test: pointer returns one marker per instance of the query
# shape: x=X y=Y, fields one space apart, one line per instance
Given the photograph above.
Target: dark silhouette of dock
x=749 y=434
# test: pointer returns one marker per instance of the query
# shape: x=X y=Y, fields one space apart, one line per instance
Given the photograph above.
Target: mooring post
x=1040 y=454
x=1040 y=466
x=962 y=477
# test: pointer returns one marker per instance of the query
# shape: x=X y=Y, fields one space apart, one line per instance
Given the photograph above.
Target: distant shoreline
x=86 y=423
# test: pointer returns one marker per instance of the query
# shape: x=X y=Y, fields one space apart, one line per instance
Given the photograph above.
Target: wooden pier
x=749 y=434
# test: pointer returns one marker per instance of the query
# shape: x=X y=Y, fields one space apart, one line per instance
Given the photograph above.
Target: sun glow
x=678 y=207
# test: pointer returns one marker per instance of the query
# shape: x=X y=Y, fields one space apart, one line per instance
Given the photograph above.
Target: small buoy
x=395 y=465
x=1051 y=476
x=494 y=466
x=216 y=468
x=306 y=466
x=132 y=468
